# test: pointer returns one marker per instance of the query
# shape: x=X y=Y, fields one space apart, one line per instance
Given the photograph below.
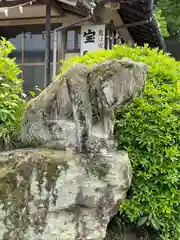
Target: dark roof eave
x=155 y=24
x=143 y=11
x=158 y=33
x=75 y=10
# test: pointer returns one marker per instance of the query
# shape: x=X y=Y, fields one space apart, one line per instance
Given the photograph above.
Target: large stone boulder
x=70 y=195
x=76 y=111
x=49 y=194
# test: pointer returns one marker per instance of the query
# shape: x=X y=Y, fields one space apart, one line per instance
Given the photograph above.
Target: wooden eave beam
x=130 y=2
x=72 y=9
x=12 y=3
x=131 y=20
x=134 y=24
x=57 y=8
x=146 y=36
x=136 y=12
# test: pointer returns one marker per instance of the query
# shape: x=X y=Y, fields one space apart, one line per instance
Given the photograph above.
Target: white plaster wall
x=30 y=13
x=71 y=55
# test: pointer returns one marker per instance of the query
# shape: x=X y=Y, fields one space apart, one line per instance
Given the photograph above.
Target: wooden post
x=47 y=79
x=54 y=55
x=22 y=54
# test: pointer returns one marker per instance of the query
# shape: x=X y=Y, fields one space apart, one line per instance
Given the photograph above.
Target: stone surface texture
x=70 y=185
x=81 y=103
x=49 y=194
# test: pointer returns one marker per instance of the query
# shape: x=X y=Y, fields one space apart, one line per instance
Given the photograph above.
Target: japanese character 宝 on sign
x=89 y=36
x=92 y=38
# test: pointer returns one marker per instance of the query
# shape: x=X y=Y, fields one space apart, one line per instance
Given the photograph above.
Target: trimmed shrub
x=12 y=101
x=149 y=129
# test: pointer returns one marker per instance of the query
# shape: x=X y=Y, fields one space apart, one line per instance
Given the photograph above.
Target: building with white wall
x=74 y=28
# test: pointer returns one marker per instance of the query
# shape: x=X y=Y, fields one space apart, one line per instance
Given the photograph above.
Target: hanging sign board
x=92 y=38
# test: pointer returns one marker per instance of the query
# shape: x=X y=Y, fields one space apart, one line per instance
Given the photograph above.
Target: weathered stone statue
x=76 y=111
x=71 y=183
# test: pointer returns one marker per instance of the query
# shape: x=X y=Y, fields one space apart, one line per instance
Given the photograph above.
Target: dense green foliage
x=11 y=97
x=162 y=22
x=149 y=128
x=171 y=12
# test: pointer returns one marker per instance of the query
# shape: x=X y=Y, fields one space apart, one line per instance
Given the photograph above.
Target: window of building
x=30 y=53
x=73 y=40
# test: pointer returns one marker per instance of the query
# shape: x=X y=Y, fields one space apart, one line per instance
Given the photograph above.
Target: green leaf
x=11 y=101
x=5 y=111
x=5 y=85
x=32 y=93
x=155 y=223
x=142 y=221
x=38 y=89
x=149 y=129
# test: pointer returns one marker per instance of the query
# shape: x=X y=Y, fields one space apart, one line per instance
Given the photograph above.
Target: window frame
x=76 y=49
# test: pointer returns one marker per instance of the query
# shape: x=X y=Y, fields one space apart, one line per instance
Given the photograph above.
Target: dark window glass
x=73 y=40
x=79 y=40
x=70 y=40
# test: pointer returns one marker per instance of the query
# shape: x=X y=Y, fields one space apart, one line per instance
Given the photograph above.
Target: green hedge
x=149 y=128
x=11 y=98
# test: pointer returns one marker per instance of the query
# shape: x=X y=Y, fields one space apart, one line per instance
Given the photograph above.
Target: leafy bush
x=149 y=128
x=162 y=22
x=11 y=97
